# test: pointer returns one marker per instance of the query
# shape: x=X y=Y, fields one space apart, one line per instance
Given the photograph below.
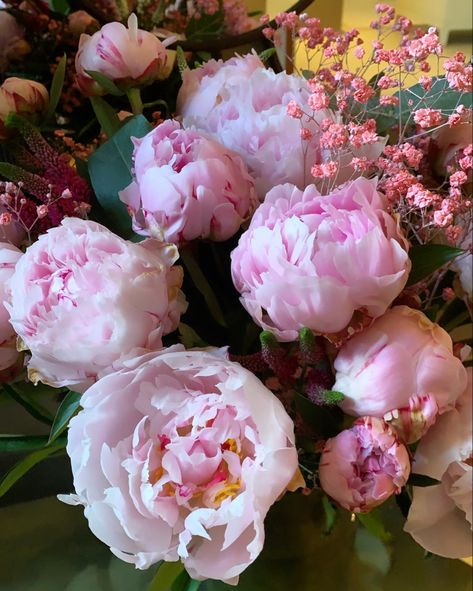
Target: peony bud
x=82 y=22
x=24 y=97
x=363 y=466
x=130 y=57
x=402 y=369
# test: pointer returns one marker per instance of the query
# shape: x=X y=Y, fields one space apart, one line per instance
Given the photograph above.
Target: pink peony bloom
x=312 y=261
x=9 y=256
x=363 y=466
x=82 y=297
x=180 y=455
x=187 y=186
x=24 y=97
x=129 y=57
x=401 y=368
x=440 y=518
x=250 y=109
x=244 y=106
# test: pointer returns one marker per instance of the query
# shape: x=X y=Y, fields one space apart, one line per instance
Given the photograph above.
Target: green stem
x=134 y=96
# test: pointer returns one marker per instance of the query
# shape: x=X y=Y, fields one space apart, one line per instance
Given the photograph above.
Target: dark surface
x=46 y=546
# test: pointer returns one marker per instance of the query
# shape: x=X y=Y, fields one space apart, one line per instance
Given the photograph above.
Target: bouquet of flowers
x=262 y=288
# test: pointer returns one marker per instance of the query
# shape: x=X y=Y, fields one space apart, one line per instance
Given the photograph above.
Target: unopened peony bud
x=403 y=364
x=130 y=57
x=82 y=22
x=24 y=97
x=363 y=466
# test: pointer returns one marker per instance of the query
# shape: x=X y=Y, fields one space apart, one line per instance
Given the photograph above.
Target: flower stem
x=134 y=97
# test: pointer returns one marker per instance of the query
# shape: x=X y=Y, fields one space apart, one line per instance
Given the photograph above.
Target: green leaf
x=106 y=115
x=439 y=96
x=110 y=172
x=422 y=480
x=56 y=87
x=22 y=467
x=307 y=74
x=266 y=54
x=181 y=60
x=189 y=338
x=372 y=551
x=10 y=443
x=318 y=417
x=427 y=258
x=201 y=283
x=59 y=6
x=331 y=515
x=208 y=25
x=374 y=525
x=205 y=56
x=108 y=85
x=166 y=575
x=184 y=583
x=28 y=402
x=65 y=412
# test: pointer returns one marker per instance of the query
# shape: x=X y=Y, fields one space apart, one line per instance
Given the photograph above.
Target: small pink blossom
x=294 y=110
x=427 y=117
x=42 y=211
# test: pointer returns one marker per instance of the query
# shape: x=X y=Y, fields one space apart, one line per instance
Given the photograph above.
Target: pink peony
x=179 y=455
x=401 y=368
x=187 y=186
x=244 y=106
x=24 y=97
x=82 y=297
x=129 y=57
x=440 y=518
x=312 y=261
x=9 y=256
x=363 y=466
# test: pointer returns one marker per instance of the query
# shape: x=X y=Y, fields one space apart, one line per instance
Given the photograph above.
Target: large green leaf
x=372 y=522
x=59 y=6
x=106 y=115
x=207 y=25
x=318 y=417
x=422 y=480
x=108 y=85
x=28 y=402
x=427 y=258
x=439 y=96
x=167 y=573
x=22 y=467
x=184 y=583
x=24 y=442
x=56 y=87
x=110 y=172
x=201 y=283
x=66 y=410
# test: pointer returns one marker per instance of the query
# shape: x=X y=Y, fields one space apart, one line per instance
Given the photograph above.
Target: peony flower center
x=198 y=461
